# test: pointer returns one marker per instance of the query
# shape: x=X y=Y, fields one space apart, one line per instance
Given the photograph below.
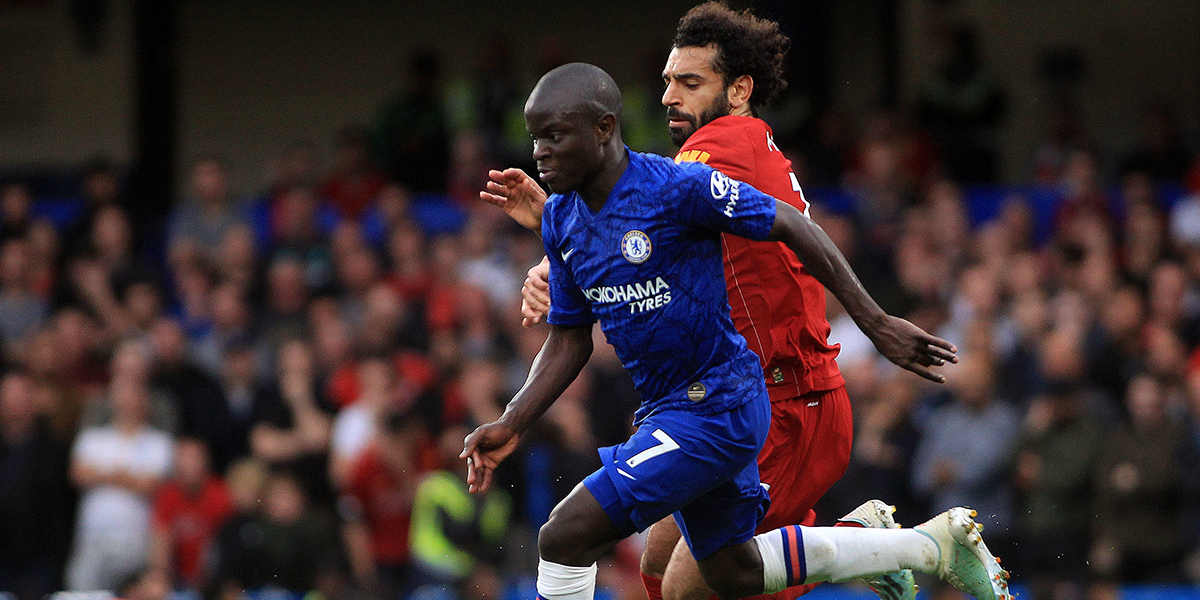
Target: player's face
x=695 y=94
x=566 y=148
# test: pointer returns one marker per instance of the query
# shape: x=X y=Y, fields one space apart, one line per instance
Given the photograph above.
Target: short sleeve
x=568 y=305
x=714 y=201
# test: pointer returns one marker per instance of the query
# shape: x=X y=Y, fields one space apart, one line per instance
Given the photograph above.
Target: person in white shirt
x=116 y=467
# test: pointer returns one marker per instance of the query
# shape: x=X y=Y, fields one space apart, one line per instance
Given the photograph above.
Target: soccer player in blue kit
x=633 y=241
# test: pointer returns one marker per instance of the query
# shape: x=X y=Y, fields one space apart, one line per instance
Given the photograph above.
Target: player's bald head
x=576 y=88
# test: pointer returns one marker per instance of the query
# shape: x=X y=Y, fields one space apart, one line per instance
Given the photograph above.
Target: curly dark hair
x=746 y=45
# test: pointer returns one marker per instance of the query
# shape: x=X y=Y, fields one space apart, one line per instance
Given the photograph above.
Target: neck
x=596 y=192
x=742 y=111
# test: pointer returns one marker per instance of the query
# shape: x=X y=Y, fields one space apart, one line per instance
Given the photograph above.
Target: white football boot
x=964 y=561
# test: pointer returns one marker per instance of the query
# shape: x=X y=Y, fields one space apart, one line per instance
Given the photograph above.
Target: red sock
x=653 y=587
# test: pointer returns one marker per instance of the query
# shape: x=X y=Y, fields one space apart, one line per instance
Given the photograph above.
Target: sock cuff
x=782 y=552
x=653 y=587
x=565 y=582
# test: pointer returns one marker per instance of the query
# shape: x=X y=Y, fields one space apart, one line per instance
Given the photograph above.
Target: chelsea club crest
x=635 y=246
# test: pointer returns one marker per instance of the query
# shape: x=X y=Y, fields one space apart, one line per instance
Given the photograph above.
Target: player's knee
x=734 y=572
x=661 y=540
x=562 y=541
x=730 y=585
x=554 y=543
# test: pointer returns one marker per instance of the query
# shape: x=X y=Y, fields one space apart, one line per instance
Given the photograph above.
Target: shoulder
x=730 y=144
x=732 y=132
x=552 y=213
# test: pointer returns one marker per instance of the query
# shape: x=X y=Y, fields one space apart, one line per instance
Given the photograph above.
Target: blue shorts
x=701 y=468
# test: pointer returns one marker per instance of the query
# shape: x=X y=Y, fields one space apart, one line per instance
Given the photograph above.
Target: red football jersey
x=776 y=304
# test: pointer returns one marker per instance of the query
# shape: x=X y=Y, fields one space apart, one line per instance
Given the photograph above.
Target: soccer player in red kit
x=724 y=66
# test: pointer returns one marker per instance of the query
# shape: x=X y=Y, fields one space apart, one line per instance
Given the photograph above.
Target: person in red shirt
x=725 y=66
x=188 y=511
x=376 y=504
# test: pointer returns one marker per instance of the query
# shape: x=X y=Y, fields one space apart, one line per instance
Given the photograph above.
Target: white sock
x=843 y=553
x=562 y=582
x=794 y=555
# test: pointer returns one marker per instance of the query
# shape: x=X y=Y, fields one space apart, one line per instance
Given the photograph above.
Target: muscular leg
x=660 y=543
x=683 y=580
x=661 y=540
x=949 y=545
x=577 y=534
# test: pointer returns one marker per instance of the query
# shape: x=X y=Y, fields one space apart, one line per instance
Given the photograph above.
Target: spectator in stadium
x=408 y=255
x=966 y=445
x=217 y=410
x=376 y=503
x=884 y=445
x=286 y=545
x=292 y=421
x=16 y=204
x=1167 y=302
x=412 y=138
x=198 y=224
x=100 y=188
x=1161 y=151
x=117 y=469
x=353 y=183
x=1140 y=487
x=1063 y=133
x=287 y=294
x=43 y=241
x=1145 y=229
x=356 y=426
x=358 y=270
x=21 y=310
x=131 y=365
x=1060 y=444
x=35 y=518
x=108 y=264
x=1082 y=198
x=300 y=224
x=961 y=105
x=237 y=260
x=189 y=509
x=390 y=211
x=453 y=532
x=231 y=317
x=231 y=560
x=1115 y=344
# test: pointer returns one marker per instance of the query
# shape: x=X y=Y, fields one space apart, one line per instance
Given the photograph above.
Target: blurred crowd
x=267 y=394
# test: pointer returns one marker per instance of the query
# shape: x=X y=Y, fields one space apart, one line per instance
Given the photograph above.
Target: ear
x=739 y=92
x=606 y=127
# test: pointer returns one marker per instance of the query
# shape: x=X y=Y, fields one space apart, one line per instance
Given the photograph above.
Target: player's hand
x=912 y=348
x=518 y=194
x=535 y=294
x=484 y=449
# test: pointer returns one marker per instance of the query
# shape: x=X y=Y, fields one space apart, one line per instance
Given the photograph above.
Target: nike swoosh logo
x=567 y=254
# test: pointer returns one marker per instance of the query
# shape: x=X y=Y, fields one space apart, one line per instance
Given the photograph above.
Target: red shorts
x=806 y=452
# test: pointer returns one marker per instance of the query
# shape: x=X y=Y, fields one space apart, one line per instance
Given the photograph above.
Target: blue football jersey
x=648 y=267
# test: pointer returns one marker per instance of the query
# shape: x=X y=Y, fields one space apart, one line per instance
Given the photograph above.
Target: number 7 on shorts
x=667 y=444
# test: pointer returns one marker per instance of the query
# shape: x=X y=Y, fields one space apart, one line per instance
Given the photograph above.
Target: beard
x=718 y=108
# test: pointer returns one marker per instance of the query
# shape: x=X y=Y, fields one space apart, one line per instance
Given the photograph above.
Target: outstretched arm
x=900 y=341
x=519 y=195
x=564 y=354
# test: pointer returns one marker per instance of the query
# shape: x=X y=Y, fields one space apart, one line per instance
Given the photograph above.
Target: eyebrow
x=683 y=76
